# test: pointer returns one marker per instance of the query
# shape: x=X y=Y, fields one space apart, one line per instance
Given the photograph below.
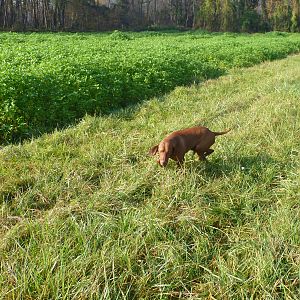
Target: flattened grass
x=85 y=214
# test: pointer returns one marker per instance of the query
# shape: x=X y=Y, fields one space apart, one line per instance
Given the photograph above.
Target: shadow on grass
x=254 y=166
x=249 y=179
x=242 y=197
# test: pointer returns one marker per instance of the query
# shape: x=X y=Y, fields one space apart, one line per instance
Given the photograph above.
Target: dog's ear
x=172 y=149
x=153 y=150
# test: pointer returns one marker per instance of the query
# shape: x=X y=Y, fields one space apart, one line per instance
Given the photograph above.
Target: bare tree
x=214 y=15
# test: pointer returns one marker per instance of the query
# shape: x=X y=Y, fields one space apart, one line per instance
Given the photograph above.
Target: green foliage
x=119 y=35
x=250 y=21
x=228 y=18
x=12 y=124
x=294 y=22
x=281 y=17
x=52 y=80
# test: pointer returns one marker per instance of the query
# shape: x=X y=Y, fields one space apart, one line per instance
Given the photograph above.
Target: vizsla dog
x=177 y=144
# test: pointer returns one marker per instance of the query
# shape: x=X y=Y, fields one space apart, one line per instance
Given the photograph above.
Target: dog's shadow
x=218 y=167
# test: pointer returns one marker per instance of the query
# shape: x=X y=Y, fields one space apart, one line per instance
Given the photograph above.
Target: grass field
x=52 y=80
x=86 y=214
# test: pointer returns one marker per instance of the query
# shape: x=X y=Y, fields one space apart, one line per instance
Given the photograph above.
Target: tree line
x=100 y=15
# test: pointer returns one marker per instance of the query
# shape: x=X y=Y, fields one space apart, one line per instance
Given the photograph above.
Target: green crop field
x=87 y=214
x=53 y=80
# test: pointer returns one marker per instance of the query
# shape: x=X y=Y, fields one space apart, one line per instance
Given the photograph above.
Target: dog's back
x=189 y=138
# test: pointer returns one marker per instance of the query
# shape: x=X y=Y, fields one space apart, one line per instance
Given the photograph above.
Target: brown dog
x=177 y=144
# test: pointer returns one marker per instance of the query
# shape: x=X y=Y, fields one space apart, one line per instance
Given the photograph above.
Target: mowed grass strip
x=86 y=214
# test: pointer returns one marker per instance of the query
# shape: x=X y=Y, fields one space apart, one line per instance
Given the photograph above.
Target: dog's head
x=165 y=150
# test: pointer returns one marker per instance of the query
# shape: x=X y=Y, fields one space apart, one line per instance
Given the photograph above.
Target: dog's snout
x=162 y=163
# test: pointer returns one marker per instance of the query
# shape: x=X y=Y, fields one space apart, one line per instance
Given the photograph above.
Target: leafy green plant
x=55 y=79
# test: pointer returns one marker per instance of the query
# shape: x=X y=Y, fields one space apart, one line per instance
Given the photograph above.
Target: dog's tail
x=222 y=132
